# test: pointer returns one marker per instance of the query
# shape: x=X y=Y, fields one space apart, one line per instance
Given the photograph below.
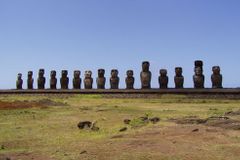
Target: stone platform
x=185 y=91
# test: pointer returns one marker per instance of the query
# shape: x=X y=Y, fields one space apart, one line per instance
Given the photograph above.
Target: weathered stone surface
x=64 y=80
x=41 y=79
x=178 y=79
x=198 y=78
x=101 y=80
x=30 y=80
x=129 y=80
x=53 y=80
x=123 y=129
x=145 y=75
x=84 y=125
x=88 y=125
x=126 y=121
x=19 y=81
x=216 y=77
x=163 y=79
x=77 y=80
x=88 y=81
x=114 y=80
x=154 y=120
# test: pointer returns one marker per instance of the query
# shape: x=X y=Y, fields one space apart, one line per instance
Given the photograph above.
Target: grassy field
x=44 y=127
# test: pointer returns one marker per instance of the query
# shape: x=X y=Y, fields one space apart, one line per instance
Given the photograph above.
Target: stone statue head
x=101 y=72
x=64 y=73
x=114 y=73
x=198 y=71
x=88 y=74
x=30 y=74
x=77 y=74
x=178 y=71
x=216 y=70
x=145 y=66
x=19 y=77
x=163 y=72
x=53 y=74
x=41 y=72
x=130 y=73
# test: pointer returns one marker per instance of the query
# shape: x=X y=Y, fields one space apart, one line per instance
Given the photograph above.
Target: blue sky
x=92 y=34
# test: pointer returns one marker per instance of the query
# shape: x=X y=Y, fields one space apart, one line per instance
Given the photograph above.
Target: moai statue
x=41 y=79
x=64 y=80
x=53 y=80
x=129 y=80
x=145 y=75
x=216 y=77
x=198 y=78
x=88 y=81
x=19 y=81
x=77 y=80
x=30 y=80
x=178 y=79
x=101 y=80
x=114 y=80
x=163 y=79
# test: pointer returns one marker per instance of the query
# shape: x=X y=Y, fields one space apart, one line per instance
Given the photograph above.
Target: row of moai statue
x=145 y=75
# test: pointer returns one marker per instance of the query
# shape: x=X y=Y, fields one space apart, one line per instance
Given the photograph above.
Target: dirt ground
x=46 y=129
x=178 y=142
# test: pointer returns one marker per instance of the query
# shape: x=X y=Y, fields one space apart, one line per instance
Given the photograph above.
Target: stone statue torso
x=101 y=82
x=198 y=81
x=146 y=79
x=114 y=81
x=179 y=80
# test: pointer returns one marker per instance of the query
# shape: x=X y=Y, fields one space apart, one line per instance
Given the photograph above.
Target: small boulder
x=195 y=130
x=123 y=129
x=154 y=120
x=126 y=121
x=83 y=152
x=84 y=125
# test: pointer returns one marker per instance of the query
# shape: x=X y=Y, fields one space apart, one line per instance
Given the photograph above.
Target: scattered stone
x=126 y=121
x=123 y=129
x=88 y=125
x=83 y=152
x=195 y=130
x=154 y=120
x=84 y=124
